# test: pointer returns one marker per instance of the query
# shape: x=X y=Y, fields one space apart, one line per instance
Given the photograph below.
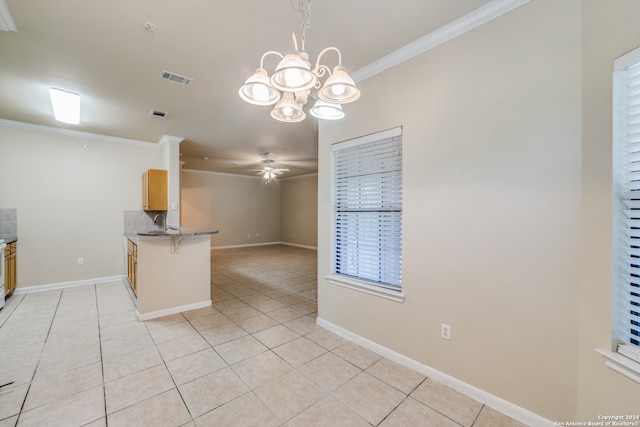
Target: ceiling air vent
x=157 y=113
x=176 y=78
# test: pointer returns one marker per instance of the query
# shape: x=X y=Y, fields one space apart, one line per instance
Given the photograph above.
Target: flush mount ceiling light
x=66 y=106
x=293 y=79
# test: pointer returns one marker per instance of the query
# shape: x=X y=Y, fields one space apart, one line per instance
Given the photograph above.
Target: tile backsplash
x=9 y=221
x=141 y=221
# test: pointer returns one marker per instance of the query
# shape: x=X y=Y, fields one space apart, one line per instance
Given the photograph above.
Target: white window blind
x=626 y=299
x=368 y=208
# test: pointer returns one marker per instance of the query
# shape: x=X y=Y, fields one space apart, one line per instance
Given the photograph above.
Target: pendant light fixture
x=293 y=80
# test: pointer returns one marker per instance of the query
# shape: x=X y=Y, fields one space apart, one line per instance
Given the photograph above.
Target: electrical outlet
x=445 y=332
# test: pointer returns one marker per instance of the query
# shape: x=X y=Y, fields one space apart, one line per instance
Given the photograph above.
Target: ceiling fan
x=268 y=172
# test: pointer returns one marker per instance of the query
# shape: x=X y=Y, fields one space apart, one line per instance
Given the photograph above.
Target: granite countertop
x=171 y=232
x=8 y=238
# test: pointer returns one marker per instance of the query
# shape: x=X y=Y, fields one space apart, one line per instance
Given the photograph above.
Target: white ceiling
x=100 y=50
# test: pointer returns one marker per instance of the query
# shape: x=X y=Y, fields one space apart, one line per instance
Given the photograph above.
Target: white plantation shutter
x=627 y=209
x=368 y=208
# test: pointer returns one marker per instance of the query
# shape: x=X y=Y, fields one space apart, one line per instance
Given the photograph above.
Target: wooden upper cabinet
x=154 y=190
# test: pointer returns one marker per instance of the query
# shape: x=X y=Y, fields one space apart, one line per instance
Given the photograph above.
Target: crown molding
x=76 y=133
x=6 y=21
x=478 y=17
x=166 y=139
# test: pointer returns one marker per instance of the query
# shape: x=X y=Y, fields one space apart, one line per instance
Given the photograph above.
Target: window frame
x=352 y=282
x=624 y=357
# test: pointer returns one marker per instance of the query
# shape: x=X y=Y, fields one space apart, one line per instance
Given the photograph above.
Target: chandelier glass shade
x=293 y=80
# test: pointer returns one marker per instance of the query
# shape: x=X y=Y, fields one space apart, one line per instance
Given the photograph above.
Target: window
x=626 y=203
x=367 y=221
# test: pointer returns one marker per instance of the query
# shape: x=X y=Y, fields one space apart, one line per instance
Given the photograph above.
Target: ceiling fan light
x=293 y=74
x=326 y=111
x=288 y=110
x=258 y=91
x=339 y=88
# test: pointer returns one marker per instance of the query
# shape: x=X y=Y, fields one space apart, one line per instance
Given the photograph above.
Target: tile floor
x=79 y=357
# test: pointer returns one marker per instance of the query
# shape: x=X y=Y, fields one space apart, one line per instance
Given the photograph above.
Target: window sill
x=621 y=364
x=365 y=287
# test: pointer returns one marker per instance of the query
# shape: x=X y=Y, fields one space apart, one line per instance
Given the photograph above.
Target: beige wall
x=243 y=209
x=610 y=29
x=70 y=201
x=299 y=211
x=491 y=220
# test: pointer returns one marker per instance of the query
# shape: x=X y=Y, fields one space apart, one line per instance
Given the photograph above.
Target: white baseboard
x=172 y=310
x=62 y=285
x=315 y=248
x=507 y=408
x=244 y=246
x=264 y=244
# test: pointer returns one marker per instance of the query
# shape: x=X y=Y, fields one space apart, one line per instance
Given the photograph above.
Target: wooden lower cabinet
x=132 y=265
x=10 y=276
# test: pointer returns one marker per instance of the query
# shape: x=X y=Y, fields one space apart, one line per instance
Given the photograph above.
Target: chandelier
x=291 y=83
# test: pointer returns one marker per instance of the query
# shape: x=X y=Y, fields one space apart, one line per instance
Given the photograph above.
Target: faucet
x=155 y=220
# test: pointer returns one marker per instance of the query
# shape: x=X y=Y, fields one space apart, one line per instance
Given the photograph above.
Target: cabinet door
x=154 y=190
x=7 y=269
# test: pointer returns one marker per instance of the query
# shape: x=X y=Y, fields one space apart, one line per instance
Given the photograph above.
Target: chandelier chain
x=304 y=9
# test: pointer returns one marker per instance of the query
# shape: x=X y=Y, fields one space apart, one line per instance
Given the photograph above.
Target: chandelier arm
x=271 y=52
x=326 y=50
x=321 y=70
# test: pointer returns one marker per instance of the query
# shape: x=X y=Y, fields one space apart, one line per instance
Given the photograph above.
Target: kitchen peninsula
x=169 y=271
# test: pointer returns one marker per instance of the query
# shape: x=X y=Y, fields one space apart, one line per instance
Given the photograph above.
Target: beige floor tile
x=489 y=417
x=396 y=375
x=102 y=422
x=165 y=409
x=122 y=330
x=160 y=322
x=134 y=388
x=183 y=346
x=241 y=313
x=228 y=305
x=413 y=413
x=48 y=389
x=303 y=325
x=171 y=332
x=199 y=312
x=326 y=339
x=289 y=395
x=76 y=410
x=299 y=351
x=11 y=398
x=328 y=412
x=223 y=334
x=244 y=411
x=210 y=321
x=195 y=365
x=256 y=323
x=240 y=349
x=329 y=371
x=62 y=362
x=130 y=363
x=260 y=369
x=369 y=397
x=116 y=319
x=126 y=344
x=276 y=335
x=267 y=305
x=356 y=354
x=9 y=422
x=285 y=314
x=447 y=401
x=212 y=390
